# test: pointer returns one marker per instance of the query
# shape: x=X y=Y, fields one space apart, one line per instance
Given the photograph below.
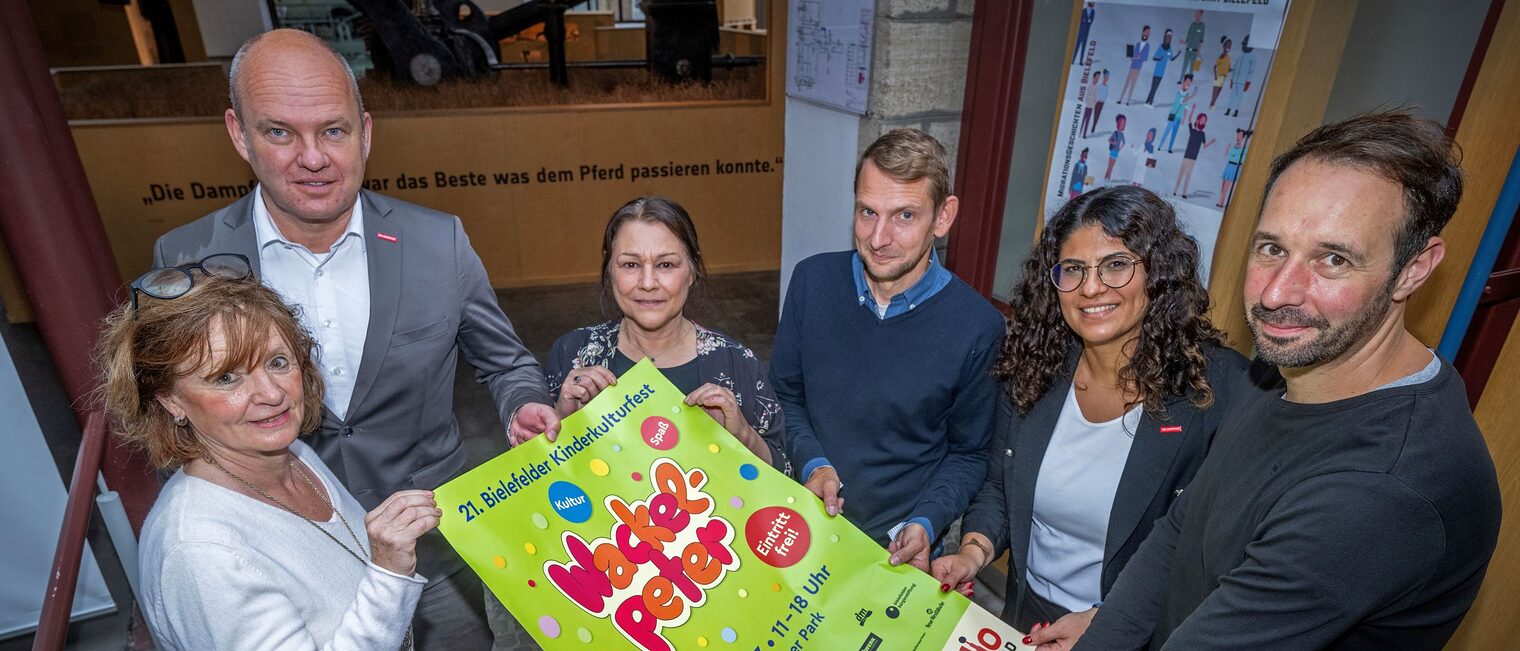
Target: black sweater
x=1365 y=523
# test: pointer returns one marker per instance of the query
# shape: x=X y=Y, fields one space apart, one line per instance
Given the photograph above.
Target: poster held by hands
x=647 y=526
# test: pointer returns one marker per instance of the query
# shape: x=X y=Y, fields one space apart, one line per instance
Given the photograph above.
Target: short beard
x=896 y=273
x=1332 y=341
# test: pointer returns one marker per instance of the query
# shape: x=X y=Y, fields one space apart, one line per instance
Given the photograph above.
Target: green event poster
x=648 y=526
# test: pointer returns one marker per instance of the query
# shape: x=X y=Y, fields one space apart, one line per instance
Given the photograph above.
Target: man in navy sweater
x=882 y=359
x=1357 y=509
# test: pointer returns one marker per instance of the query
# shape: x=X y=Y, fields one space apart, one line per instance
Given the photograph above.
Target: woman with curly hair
x=1115 y=382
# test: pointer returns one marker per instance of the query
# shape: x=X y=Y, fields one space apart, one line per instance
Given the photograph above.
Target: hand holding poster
x=647 y=526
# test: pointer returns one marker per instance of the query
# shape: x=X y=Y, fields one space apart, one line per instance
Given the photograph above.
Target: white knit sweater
x=221 y=570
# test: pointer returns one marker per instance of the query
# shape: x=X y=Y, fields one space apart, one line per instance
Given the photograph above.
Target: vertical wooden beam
x=1487 y=135
x=994 y=76
x=1294 y=100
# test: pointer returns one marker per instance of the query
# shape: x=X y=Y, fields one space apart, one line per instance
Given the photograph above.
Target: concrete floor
x=744 y=306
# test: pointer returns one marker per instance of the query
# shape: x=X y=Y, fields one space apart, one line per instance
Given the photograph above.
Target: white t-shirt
x=1073 y=498
x=221 y=570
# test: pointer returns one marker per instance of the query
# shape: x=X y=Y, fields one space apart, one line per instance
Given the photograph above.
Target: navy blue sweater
x=902 y=407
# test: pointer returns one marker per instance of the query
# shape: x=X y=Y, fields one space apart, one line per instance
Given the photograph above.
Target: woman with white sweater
x=253 y=543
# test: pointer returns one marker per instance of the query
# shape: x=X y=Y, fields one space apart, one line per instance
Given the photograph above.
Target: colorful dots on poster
x=713 y=448
x=729 y=635
x=749 y=472
x=617 y=448
x=659 y=433
x=702 y=641
x=599 y=467
x=637 y=476
x=675 y=409
x=791 y=500
x=583 y=635
x=532 y=583
x=778 y=536
x=530 y=548
x=834 y=537
x=570 y=501
x=540 y=521
x=548 y=626
x=499 y=562
x=743 y=594
x=736 y=502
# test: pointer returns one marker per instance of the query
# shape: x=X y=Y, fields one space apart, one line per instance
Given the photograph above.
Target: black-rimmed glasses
x=173 y=282
x=1114 y=272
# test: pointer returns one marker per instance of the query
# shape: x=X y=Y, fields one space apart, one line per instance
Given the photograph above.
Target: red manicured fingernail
x=944 y=587
x=1028 y=641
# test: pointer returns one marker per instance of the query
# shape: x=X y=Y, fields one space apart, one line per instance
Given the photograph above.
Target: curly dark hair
x=1169 y=357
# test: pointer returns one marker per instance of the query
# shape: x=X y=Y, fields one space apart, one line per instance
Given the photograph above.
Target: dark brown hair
x=1413 y=152
x=142 y=355
x=653 y=210
x=907 y=155
x=1169 y=357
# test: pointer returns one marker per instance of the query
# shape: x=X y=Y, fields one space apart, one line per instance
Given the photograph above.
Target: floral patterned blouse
x=720 y=360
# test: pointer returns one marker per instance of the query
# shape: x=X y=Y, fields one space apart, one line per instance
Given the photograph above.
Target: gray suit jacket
x=430 y=300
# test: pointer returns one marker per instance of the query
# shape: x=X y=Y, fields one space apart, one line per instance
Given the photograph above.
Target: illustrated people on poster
x=1145 y=159
x=1240 y=76
x=1221 y=69
x=1139 y=53
x=1102 y=96
x=1174 y=118
x=1164 y=55
x=1115 y=145
x=1232 y=161
x=1195 y=146
x=1078 y=176
x=1194 y=43
x=1091 y=100
x=1083 y=29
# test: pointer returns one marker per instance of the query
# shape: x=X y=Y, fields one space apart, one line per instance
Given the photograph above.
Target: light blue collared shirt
x=936 y=277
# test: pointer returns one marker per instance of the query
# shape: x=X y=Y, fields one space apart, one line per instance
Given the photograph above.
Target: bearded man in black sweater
x=1357 y=508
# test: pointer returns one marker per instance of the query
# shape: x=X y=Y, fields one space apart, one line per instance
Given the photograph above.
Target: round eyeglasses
x=173 y=282
x=1114 y=272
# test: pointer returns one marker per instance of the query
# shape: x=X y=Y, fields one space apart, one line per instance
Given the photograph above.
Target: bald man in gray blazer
x=392 y=292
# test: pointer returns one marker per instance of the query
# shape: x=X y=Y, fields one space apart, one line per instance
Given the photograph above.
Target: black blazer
x=1159 y=467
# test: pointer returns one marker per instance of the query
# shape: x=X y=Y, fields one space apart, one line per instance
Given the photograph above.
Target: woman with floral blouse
x=650 y=263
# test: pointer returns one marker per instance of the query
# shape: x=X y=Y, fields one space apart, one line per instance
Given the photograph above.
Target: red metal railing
x=53 y=626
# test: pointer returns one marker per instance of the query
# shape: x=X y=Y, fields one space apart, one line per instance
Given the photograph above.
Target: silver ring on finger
x=576 y=379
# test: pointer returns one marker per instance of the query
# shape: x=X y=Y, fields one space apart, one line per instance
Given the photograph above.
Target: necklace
x=679 y=339
x=406 y=642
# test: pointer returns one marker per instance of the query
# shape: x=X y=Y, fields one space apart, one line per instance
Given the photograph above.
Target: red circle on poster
x=777 y=535
x=659 y=432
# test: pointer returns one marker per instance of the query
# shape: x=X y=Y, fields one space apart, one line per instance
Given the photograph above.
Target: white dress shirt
x=331 y=291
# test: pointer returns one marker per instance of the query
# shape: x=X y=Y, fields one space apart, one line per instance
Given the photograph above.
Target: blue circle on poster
x=569 y=501
x=749 y=472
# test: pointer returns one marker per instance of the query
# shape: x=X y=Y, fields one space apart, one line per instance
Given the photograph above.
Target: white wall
x=1406 y=52
x=225 y=24
x=817 y=182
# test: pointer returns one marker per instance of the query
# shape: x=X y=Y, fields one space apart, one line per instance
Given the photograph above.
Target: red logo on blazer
x=1171 y=429
x=386 y=236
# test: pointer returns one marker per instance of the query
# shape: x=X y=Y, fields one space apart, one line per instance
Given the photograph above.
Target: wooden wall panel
x=1488 y=135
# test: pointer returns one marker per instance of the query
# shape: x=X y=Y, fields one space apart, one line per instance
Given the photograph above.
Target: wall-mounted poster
x=647 y=527
x=1163 y=94
x=829 y=58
